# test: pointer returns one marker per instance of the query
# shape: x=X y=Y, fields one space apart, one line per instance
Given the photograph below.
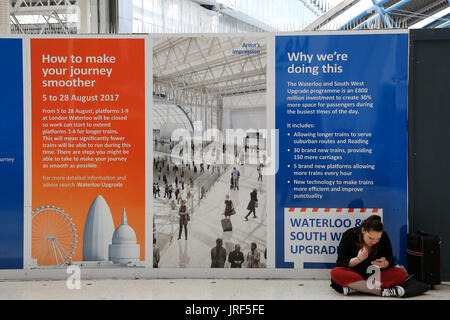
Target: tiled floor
x=191 y=289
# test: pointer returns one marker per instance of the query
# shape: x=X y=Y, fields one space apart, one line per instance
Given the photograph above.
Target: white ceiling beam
x=196 y=56
x=330 y=15
x=249 y=74
x=216 y=63
x=22 y=7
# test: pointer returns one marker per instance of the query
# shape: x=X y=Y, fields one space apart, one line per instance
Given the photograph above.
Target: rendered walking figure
x=156 y=254
x=259 y=172
x=202 y=192
x=236 y=257
x=184 y=219
x=252 y=204
x=235 y=174
x=177 y=194
x=170 y=191
x=218 y=255
x=253 y=256
x=166 y=191
x=229 y=208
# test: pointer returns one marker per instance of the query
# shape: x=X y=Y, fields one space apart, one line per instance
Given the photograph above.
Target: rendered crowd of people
x=185 y=173
x=219 y=256
x=234 y=185
x=236 y=257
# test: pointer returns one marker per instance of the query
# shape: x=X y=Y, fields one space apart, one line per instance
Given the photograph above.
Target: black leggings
x=254 y=213
x=181 y=230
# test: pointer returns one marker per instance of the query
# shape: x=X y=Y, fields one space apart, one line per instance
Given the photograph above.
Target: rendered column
x=5 y=26
x=84 y=16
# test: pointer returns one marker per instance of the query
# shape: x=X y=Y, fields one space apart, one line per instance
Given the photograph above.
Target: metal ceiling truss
x=178 y=50
x=401 y=14
x=39 y=6
x=167 y=93
x=198 y=71
x=384 y=14
x=411 y=17
x=319 y=7
x=49 y=10
x=331 y=14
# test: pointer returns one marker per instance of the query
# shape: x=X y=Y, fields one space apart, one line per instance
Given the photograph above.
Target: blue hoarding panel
x=11 y=154
x=341 y=112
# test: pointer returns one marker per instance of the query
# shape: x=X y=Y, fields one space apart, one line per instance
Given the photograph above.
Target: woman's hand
x=363 y=253
x=381 y=263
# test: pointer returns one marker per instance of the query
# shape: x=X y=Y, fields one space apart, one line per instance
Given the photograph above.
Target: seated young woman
x=359 y=249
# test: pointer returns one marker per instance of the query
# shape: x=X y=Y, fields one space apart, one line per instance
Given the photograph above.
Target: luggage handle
x=422 y=233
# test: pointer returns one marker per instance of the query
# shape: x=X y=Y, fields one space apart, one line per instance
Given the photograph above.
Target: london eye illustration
x=54 y=237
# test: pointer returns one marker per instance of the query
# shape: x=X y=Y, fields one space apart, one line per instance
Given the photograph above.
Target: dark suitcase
x=226 y=225
x=423 y=257
x=414 y=288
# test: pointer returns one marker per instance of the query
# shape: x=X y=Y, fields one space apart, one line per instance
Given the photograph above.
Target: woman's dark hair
x=372 y=223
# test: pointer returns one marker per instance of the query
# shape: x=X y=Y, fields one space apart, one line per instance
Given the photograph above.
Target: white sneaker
x=348 y=290
x=396 y=291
